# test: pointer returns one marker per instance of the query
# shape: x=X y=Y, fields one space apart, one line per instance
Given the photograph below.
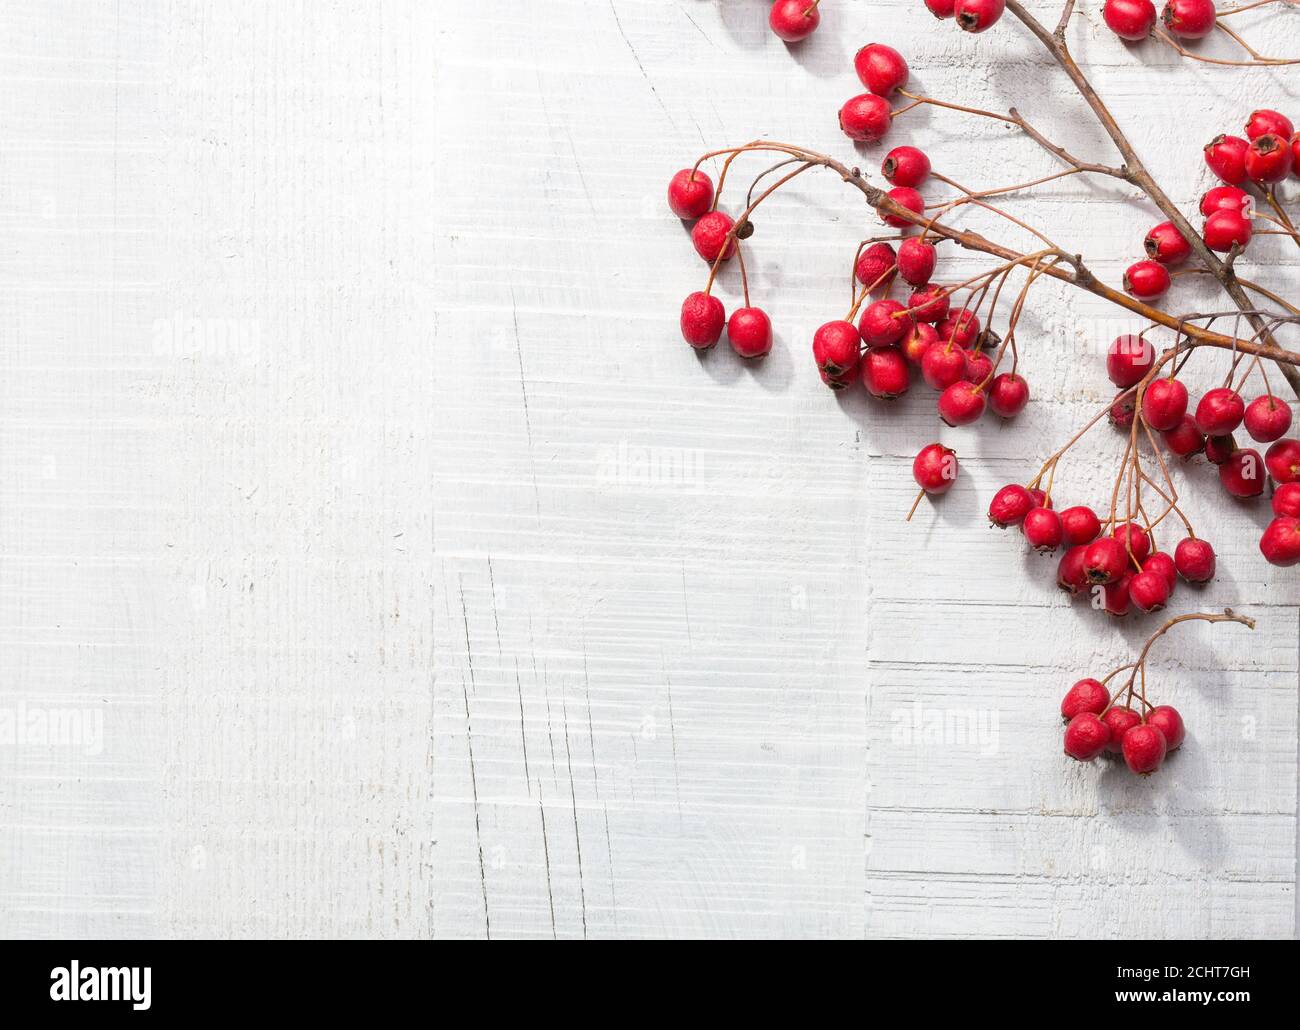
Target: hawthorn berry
x=961 y=404
x=935 y=468
x=750 y=332
x=1163 y=564
x=1167 y=245
x=1040 y=498
x=865 y=118
x=1009 y=506
x=1268 y=160
x=1189 y=19
x=1070 y=576
x=918 y=339
x=916 y=260
x=836 y=347
x=1128 y=360
x=1105 y=561
x=1226 y=157
x=1184 y=439
x=1164 y=403
x=884 y=323
x=1166 y=719
x=1220 y=411
x=1008 y=395
x=1267 y=418
x=941 y=8
x=1144 y=745
x=1042 y=529
x=905 y=166
x=1218 y=449
x=1266 y=121
x=703 y=318
x=903 y=196
x=1122 y=413
x=1286 y=500
x=690 y=192
x=1088 y=695
x=1134 y=539
x=928 y=304
x=1225 y=198
x=1086 y=737
x=1283 y=461
x=884 y=372
x=1146 y=280
x=876 y=265
x=1149 y=590
x=943 y=366
x=1119 y=721
x=978 y=367
x=1129 y=19
x=1280 y=544
x=1194 y=559
x=880 y=68
x=1225 y=229
x=1080 y=525
x=1115 y=597
x=1295 y=155
x=978 y=15
x=961 y=328
x=711 y=234
x=794 y=20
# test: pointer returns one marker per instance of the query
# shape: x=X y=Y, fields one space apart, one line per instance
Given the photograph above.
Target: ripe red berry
x=1129 y=19
x=1266 y=121
x=1295 y=155
x=928 y=304
x=961 y=328
x=905 y=166
x=1088 y=695
x=1269 y=159
x=940 y=8
x=1267 y=418
x=1283 y=461
x=884 y=323
x=884 y=372
x=1129 y=359
x=1086 y=737
x=1184 y=439
x=1149 y=590
x=1040 y=498
x=1167 y=245
x=916 y=263
x=1218 y=449
x=1225 y=229
x=1122 y=412
x=1134 y=539
x=1105 y=560
x=1164 y=565
x=1146 y=280
x=1164 y=403
x=1070 y=576
x=1042 y=529
x=1286 y=500
x=979 y=367
x=690 y=193
x=836 y=347
x=918 y=339
x=711 y=234
x=750 y=332
x=1194 y=559
x=1226 y=157
x=1220 y=411
x=978 y=15
x=793 y=20
x=1079 y=525
x=1280 y=544
x=1119 y=721
x=865 y=118
x=702 y=320
x=1189 y=19
x=1166 y=719
x=943 y=366
x=904 y=196
x=935 y=468
x=961 y=404
x=1008 y=395
x=1115 y=597
x=876 y=265
x=880 y=68
x=1144 y=746
x=1009 y=506
x=1226 y=198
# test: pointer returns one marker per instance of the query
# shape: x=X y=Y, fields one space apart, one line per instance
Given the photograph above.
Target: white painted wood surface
x=439 y=590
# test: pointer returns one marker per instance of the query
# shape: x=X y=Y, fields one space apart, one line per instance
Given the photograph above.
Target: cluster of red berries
x=1269 y=152
x=866 y=117
x=1133 y=20
x=1096 y=724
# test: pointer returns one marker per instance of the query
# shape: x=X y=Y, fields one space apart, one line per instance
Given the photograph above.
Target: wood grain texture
x=421 y=582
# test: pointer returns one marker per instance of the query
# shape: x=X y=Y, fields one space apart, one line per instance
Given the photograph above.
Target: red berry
x=1146 y=280
x=1122 y=412
x=1086 y=737
x=1226 y=198
x=1283 y=461
x=1286 y=500
x=1194 y=560
x=904 y=196
x=1226 y=156
x=836 y=347
x=1166 y=719
x=690 y=193
x=1189 y=19
x=1134 y=539
x=935 y=468
x=1164 y=403
x=1225 y=229
x=961 y=328
x=1008 y=395
x=1218 y=449
x=905 y=166
x=1163 y=564
x=1144 y=746
x=884 y=372
x=1119 y=721
x=1009 y=506
x=1105 y=560
x=750 y=332
x=1149 y=590
x=876 y=265
x=702 y=320
x=1040 y=498
x=865 y=118
x=978 y=15
x=711 y=234
x=929 y=304
x=1266 y=121
x=1080 y=525
x=943 y=366
x=1269 y=158
x=1267 y=418
x=978 y=367
x=1220 y=411
x=881 y=68
x=1088 y=695
x=940 y=8
x=1042 y=529
x=961 y=404
x=1128 y=360
x=1185 y=439
x=1295 y=155
x=1129 y=19
x=1070 y=576
x=918 y=339
x=793 y=20
x=1115 y=597
x=916 y=264
x=1280 y=544
x=1167 y=245
x=883 y=323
